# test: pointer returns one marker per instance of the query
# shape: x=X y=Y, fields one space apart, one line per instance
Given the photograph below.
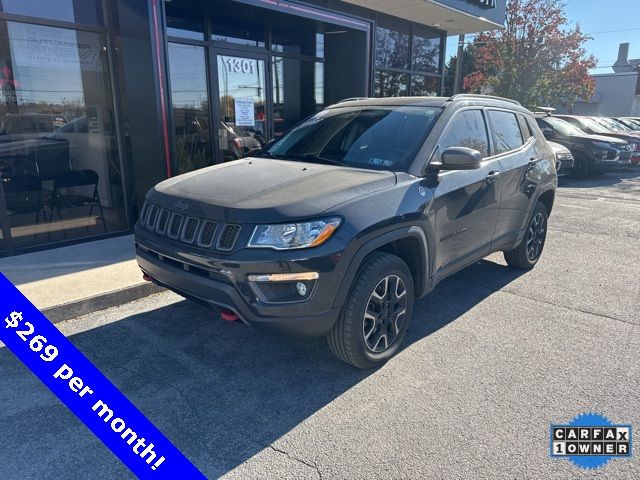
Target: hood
x=628 y=137
x=255 y=190
x=559 y=149
x=600 y=138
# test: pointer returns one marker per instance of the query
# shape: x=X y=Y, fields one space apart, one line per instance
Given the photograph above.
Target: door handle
x=492 y=177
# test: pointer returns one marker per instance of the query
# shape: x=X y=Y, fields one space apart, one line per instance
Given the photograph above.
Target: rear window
x=375 y=137
x=505 y=130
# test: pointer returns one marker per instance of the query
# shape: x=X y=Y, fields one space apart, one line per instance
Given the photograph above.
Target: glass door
x=243 y=118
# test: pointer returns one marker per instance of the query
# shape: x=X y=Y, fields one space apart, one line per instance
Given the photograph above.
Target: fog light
x=301 y=288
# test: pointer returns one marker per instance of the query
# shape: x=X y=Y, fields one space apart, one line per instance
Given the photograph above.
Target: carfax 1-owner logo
x=590 y=440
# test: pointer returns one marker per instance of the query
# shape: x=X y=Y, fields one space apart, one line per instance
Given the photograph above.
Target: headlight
x=602 y=144
x=288 y=236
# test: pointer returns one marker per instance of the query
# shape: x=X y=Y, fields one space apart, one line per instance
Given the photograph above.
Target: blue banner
x=86 y=391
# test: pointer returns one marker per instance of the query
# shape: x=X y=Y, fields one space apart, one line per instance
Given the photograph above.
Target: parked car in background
x=564 y=157
x=592 y=154
x=336 y=227
x=630 y=122
x=608 y=128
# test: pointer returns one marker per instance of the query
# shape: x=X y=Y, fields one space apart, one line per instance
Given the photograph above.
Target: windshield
x=594 y=126
x=374 y=137
x=564 y=127
x=612 y=125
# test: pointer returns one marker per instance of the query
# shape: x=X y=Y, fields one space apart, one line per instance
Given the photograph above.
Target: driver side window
x=468 y=129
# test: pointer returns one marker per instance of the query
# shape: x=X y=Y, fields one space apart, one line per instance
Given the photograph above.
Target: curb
x=60 y=313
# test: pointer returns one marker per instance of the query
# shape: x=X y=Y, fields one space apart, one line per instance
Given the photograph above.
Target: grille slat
x=190 y=227
x=153 y=216
x=144 y=213
x=228 y=236
x=191 y=230
x=207 y=232
x=176 y=223
x=162 y=222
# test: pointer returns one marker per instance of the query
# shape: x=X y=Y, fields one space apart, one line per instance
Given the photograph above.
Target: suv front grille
x=202 y=232
x=176 y=223
x=162 y=222
x=228 y=236
x=190 y=228
x=207 y=232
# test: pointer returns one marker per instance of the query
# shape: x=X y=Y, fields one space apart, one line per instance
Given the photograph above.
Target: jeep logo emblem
x=181 y=205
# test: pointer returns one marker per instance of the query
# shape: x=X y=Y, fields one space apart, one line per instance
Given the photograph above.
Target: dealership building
x=102 y=99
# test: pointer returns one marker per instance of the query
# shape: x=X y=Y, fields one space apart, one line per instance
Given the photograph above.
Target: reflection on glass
x=297 y=38
x=61 y=175
x=391 y=84
x=426 y=52
x=298 y=91
x=424 y=86
x=188 y=74
x=80 y=11
x=184 y=23
x=392 y=48
x=241 y=82
x=241 y=31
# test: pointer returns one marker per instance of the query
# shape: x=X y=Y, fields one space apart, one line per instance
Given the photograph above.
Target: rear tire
x=375 y=317
x=526 y=255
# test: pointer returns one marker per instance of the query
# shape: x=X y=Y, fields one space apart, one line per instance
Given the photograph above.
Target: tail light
x=238 y=143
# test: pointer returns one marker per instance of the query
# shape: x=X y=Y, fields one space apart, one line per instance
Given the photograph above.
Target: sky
x=610 y=22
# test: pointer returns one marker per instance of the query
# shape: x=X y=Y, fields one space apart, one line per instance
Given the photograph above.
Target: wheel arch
x=408 y=243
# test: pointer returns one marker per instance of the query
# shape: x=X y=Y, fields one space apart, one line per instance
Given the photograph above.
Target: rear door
x=466 y=202
x=515 y=148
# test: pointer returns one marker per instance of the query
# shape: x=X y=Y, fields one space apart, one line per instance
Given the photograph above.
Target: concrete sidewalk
x=70 y=281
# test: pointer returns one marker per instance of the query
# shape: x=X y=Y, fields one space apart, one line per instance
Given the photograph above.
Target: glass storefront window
x=242 y=103
x=298 y=91
x=188 y=74
x=79 y=11
x=297 y=38
x=426 y=51
x=184 y=23
x=392 y=47
x=59 y=164
x=391 y=84
x=240 y=31
x=425 y=86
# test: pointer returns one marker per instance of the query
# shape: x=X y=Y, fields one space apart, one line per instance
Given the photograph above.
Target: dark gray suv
x=337 y=227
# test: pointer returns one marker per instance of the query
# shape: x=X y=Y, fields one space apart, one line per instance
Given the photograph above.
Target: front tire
x=582 y=166
x=526 y=255
x=374 y=320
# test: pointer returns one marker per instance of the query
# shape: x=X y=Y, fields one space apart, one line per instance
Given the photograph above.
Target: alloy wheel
x=386 y=310
x=536 y=237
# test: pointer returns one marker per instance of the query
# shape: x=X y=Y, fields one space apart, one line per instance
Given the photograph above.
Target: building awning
x=455 y=17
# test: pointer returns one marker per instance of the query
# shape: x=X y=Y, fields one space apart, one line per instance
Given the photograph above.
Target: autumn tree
x=537 y=59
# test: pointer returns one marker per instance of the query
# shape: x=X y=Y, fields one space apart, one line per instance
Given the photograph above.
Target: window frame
x=436 y=149
x=385 y=21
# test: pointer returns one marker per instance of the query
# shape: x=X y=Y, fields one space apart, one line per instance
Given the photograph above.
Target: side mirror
x=461 y=158
x=548 y=133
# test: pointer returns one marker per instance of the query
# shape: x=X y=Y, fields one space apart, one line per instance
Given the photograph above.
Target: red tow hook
x=228 y=316
x=147 y=277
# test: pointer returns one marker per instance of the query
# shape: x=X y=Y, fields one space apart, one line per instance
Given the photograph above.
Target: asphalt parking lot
x=493 y=357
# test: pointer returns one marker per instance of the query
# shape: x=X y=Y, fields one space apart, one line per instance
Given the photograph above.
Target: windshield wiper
x=317 y=159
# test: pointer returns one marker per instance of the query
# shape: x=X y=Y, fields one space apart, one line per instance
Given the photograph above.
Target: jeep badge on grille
x=181 y=205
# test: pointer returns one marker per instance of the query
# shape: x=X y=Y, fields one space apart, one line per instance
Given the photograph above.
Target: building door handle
x=492 y=177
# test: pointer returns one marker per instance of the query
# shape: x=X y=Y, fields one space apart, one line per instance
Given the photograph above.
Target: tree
x=537 y=59
x=468 y=67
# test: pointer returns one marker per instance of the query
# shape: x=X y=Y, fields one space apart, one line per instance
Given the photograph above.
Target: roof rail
x=490 y=97
x=352 y=99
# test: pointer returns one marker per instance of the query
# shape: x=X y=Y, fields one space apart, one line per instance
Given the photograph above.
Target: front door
x=243 y=104
x=466 y=202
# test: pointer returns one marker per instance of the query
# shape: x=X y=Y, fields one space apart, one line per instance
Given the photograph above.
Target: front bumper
x=221 y=281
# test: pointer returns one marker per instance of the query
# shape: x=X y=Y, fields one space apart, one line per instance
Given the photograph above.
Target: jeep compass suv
x=338 y=226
